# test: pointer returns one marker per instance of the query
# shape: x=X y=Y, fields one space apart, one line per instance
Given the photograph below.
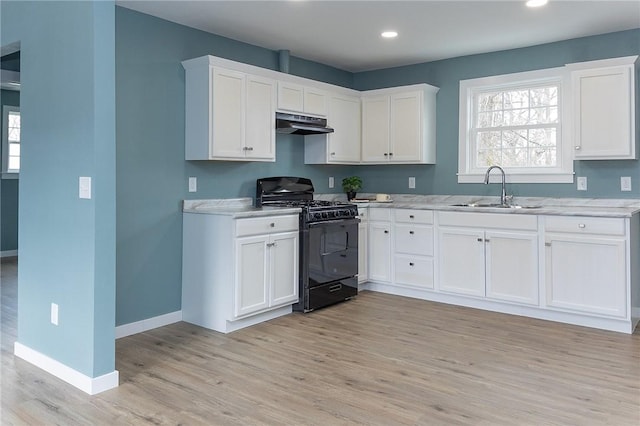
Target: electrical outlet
x=54 y=313
x=193 y=184
x=331 y=182
x=582 y=183
x=625 y=183
x=84 y=187
x=412 y=183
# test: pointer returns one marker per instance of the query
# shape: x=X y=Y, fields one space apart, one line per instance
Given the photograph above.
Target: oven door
x=333 y=251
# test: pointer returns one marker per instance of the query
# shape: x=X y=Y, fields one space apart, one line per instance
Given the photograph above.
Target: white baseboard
x=148 y=324
x=90 y=385
x=8 y=253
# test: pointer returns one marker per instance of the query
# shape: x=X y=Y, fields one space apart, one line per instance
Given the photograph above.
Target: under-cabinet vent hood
x=301 y=124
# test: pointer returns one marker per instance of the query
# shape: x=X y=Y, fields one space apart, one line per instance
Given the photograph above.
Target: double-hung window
x=514 y=121
x=10 y=141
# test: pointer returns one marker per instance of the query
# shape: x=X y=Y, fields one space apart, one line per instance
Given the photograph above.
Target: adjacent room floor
x=376 y=360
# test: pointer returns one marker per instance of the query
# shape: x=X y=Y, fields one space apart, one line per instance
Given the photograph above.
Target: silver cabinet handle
x=271 y=244
x=582 y=225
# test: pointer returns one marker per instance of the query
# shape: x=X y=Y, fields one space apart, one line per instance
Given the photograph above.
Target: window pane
x=14 y=163
x=14 y=119
x=514 y=157
x=490 y=101
x=488 y=140
x=542 y=137
x=514 y=139
x=544 y=96
x=542 y=157
x=489 y=119
x=14 y=134
x=516 y=117
x=14 y=149
x=488 y=158
x=516 y=99
x=544 y=115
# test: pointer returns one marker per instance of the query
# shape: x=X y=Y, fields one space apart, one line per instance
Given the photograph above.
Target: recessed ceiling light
x=389 y=34
x=536 y=3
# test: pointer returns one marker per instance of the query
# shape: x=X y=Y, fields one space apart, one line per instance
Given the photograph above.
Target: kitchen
x=150 y=157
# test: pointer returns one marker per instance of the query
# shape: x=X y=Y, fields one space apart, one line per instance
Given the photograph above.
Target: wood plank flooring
x=376 y=360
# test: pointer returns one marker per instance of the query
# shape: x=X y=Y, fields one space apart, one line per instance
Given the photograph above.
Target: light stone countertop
x=600 y=207
x=236 y=207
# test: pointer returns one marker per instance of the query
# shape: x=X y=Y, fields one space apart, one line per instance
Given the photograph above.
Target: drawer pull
x=335 y=287
x=271 y=244
x=385 y=154
x=386 y=232
x=411 y=232
x=410 y=263
x=333 y=153
x=582 y=225
x=411 y=216
x=272 y=225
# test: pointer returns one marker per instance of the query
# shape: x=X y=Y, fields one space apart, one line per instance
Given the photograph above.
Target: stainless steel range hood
x=301 y=124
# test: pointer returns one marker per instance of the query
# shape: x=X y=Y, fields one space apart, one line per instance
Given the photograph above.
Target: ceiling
x=346 y=34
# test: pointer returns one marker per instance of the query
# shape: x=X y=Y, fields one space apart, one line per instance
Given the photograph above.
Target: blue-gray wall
x=603 y=176
x=8 y=189
x=66 y=245
x=152 y=173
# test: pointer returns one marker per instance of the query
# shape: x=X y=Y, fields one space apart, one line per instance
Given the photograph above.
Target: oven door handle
x=334 y=222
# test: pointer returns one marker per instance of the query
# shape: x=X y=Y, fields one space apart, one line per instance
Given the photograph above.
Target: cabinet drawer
x=489 y=220
x=414 y=239
x=414 y=216
x=380 y=214
x=363 y=213
x=415 y=271
x=586 y=225
x=266 y=225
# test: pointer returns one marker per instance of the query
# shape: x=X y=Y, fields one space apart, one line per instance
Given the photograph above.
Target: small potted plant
x=351 y=185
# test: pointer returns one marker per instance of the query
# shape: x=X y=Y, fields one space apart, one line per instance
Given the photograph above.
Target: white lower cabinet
x=477 y=260
x=380 y=245
x=267 y=272
x=363 y=244
x=238 y=272
x=413 y=248
x=586 y=265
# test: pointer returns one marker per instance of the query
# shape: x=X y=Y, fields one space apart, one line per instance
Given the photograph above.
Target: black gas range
x=328 y=240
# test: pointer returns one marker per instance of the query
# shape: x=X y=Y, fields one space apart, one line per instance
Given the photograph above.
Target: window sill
x=518 y=178
x=10 y=175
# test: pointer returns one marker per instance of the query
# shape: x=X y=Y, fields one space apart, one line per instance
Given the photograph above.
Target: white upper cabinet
x=398 y=125
x=296 y=98
x=342 y=146
x=229 y=115
x=604 y=109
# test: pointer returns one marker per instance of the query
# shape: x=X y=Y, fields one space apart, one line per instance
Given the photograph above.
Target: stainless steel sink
x=494 y=205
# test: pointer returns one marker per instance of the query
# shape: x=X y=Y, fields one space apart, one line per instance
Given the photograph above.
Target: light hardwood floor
x=376 y=360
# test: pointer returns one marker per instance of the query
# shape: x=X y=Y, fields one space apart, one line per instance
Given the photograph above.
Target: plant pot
x=351 y=195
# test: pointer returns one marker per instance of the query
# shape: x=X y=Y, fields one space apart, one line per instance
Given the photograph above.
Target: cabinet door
x=283 y=251
x=461 y=261
x=259 y=143
x=344 y=117
x=290 y=97
x=227 y=122
x=363 y=249
x=603 y=103
x=586 y=273
x=375 y=129
x=315 y=102
x=512 y=266
x=379 y=251
x=406 y=127
x=252 y=275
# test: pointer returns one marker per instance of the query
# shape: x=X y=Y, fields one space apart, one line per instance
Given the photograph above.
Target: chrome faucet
x=503 y=195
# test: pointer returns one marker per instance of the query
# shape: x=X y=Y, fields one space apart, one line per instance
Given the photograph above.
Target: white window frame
x=6 y=173
x=562 y=173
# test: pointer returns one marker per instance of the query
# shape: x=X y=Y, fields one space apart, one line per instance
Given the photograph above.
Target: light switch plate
x=84 y=187
x=331 y=182
x=193 y=184
x=412 y=183
x=625 y=183
x=582 y=183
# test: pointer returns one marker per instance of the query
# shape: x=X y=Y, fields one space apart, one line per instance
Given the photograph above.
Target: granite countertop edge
x=234 y=207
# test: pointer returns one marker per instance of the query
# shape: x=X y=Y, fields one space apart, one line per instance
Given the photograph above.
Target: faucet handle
x=508 y=200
